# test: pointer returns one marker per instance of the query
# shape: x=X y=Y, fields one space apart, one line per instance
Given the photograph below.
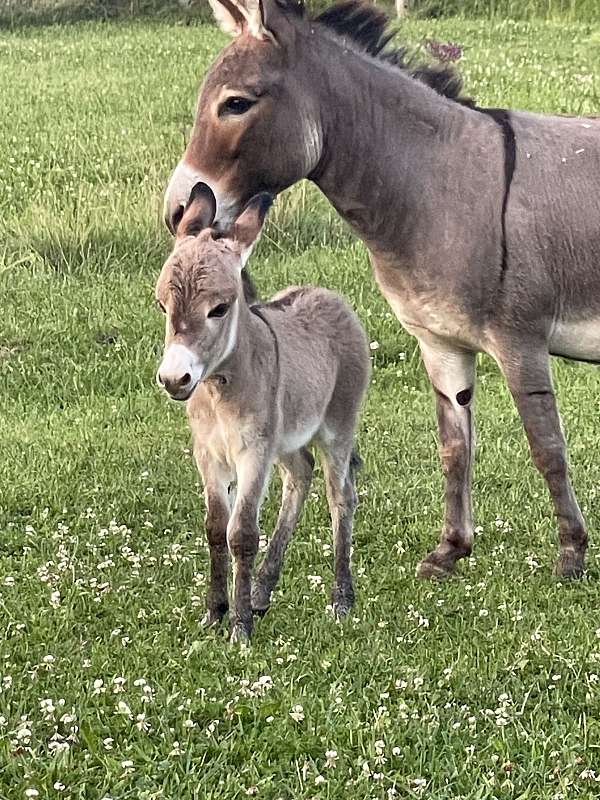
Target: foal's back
x=323 y=353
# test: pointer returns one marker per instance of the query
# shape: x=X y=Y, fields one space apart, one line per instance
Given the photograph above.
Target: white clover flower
x=140 y=722
x=123 y=709
x=331 y=757
x=297 y=713
x=31 y=793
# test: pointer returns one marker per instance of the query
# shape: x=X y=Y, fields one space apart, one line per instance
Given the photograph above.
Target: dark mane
x=369 y=29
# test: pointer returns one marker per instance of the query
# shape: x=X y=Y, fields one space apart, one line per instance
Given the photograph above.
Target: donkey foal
x=261 y=382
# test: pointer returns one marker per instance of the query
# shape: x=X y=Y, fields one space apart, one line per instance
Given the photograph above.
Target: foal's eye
x=219 y=311
x=236 y=106
x=160 y=305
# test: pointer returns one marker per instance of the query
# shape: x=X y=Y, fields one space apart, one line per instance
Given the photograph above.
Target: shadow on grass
x=39 y=13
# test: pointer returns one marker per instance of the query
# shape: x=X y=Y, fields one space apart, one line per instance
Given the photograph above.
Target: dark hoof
x=342 y=600
x=240 y=635
x=435 y=568
x=570 y=564
x=261 y=600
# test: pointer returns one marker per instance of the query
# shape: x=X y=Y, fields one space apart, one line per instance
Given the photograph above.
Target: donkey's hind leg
x=296 y=469
x=527 y=372
x=452 y=374
x=339 y=462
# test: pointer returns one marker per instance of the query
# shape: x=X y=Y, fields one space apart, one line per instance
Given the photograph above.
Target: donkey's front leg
x=217 y=516
x=242 y=536
x=452 y=373
x=527 y=371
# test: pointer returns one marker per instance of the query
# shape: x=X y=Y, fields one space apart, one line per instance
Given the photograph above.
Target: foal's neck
x=251 y=353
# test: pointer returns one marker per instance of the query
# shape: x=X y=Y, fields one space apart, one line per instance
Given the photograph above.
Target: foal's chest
x=216 y=430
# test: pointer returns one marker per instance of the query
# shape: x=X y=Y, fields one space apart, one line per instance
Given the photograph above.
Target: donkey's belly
x=437 y=320
x=576 y=339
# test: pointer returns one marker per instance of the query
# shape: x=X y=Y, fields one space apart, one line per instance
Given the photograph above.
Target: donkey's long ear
x=199 y=212
x=248 y=225
x=233 y=16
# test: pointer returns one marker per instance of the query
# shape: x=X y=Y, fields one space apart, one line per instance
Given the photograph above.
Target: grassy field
x=483 y=687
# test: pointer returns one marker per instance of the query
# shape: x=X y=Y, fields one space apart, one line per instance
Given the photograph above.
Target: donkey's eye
x=236 y=106
x=219 y=311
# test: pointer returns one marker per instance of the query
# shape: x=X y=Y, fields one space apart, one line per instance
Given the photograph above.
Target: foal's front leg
x=216 y=498
x=243 y=533
x=527 y=372
x=452 y=373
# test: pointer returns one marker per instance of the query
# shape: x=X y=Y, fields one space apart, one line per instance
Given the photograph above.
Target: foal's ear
x=248 y=225
x=199 y=212
x=233 y=16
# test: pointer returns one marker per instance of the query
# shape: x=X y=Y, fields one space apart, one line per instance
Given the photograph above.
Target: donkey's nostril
x=159 y=379
x=185 y=379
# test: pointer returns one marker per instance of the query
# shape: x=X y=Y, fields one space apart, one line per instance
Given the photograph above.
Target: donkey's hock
x=482 y=224
x=262 y=382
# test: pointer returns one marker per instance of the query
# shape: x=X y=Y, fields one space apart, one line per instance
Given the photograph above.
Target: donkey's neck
x=393 y=152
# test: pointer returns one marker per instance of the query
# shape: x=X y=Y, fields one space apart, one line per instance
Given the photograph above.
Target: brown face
x=199 y=290
x=255 y=129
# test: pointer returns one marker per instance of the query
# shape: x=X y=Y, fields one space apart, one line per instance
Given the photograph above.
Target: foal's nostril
x=185 y=379
x=159 y=379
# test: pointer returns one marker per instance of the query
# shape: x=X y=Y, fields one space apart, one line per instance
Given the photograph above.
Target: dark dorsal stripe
x=368 y=28
x=502 y=118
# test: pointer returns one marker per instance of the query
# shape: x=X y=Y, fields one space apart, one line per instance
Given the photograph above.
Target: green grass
x=572 y=10
x=484 y=687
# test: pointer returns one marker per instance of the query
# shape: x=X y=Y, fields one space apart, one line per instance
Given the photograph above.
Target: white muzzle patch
x=180 y=371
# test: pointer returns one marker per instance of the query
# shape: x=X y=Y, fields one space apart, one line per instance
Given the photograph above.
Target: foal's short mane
x=369 y=29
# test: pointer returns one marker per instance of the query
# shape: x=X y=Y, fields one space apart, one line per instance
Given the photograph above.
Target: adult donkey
x=483 y=226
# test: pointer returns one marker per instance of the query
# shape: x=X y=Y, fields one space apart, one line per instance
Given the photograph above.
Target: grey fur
x=275 y=378
x=474 y=252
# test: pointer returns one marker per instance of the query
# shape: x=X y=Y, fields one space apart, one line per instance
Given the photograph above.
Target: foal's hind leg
x=528 y=375
x=452 y=373
x=297 y=469
x=341 y=496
